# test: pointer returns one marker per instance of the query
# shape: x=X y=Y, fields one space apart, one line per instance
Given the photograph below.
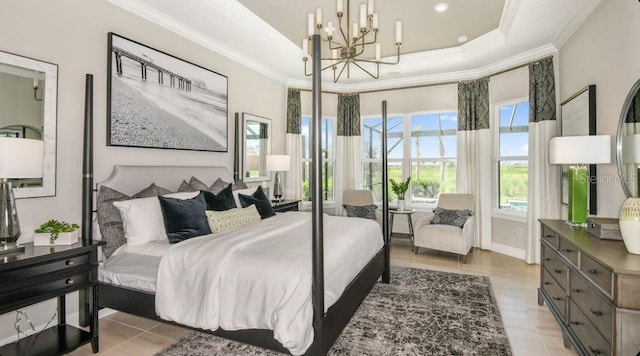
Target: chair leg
x=415 y=250
x=464 y=259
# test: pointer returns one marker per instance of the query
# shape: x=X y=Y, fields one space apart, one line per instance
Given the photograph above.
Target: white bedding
x=259 y=276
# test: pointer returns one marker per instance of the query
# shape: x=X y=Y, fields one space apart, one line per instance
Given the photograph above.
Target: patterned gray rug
x=420 y=313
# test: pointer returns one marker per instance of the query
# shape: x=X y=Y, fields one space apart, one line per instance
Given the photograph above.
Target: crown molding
x=508 y=16
x=576 y=21
x=163 y=20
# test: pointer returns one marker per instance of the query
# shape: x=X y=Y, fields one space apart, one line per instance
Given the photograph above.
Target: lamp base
x=578 y=187
x=277 y=187
x=7 y=248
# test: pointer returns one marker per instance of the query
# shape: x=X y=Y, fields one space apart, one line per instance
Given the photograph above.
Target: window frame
x=496 y=211
x=332 y=160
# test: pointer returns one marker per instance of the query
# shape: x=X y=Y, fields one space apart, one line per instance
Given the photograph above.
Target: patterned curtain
x=348 y=170
x=544 y=180
x=473 y=173
x=293 y=178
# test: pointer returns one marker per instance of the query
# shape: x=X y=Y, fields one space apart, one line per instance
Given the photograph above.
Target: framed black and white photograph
x=156 y=100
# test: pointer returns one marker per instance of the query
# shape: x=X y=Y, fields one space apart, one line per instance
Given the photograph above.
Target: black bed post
x=386 y=275
x=236 y=148
x=317 y=289
x=87 y=190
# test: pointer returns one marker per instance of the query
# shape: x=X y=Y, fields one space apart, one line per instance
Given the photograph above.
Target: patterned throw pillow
x=220 y=221
x=450 y=217
x=364 y=211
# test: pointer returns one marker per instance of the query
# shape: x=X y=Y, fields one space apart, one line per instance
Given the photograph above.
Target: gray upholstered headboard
x=132 y=179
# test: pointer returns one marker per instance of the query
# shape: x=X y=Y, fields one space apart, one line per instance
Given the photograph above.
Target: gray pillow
x=450 y=217
x=197 y=184
x=109 y=219
x=185 y=187
x=219 y=184
x=363 y=211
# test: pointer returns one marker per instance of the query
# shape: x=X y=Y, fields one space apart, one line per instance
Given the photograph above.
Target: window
x=327 y=158
x=512 y=158
x=422 y=146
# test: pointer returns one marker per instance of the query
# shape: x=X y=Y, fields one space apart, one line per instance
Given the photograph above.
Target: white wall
x=605 y=51
x=73 y=34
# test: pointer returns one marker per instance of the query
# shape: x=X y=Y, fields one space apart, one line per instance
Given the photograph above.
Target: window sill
x=518 y=217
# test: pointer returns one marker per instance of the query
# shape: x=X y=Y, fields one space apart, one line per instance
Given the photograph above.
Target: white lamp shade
x=279 y=163
x=631 y=148
x=21 y=158
x=580 y=150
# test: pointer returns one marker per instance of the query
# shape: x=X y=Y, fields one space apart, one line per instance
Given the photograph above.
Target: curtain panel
x=293 y=146
x=473 y=173
x=348 y=169
x=544 y=178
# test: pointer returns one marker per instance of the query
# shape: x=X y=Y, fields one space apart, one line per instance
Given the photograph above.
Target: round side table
x=406 y=212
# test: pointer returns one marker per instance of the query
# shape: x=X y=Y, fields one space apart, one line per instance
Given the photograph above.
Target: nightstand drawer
x=18 y=274
x=41 y=291
x=596 y=308
x=590 y=338
x=598 y=273
x=553 y=290
x=555 y=266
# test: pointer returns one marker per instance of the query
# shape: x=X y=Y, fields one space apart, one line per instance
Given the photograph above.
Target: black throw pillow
x=260 y=200
x=221 y=201
x=184 y=218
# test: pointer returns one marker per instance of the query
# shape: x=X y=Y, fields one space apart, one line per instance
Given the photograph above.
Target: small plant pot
x=65 y=238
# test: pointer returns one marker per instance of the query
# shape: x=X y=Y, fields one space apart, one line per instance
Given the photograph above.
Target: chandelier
x=352 y=42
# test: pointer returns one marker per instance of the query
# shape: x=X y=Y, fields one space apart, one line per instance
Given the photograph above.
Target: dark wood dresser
x=592 y=287
x=41 y=273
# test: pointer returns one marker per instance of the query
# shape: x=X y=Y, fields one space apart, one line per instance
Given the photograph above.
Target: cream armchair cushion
x=446 y=237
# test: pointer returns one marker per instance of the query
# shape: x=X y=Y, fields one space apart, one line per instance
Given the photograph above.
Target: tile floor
x=531 y=328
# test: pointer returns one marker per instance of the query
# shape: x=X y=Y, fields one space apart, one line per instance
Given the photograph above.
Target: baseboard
x=508 y=250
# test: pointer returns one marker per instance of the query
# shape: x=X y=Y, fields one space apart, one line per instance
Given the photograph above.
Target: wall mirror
x=255 y=145
x=578 y=118
x=28 y=109
x=628 y=143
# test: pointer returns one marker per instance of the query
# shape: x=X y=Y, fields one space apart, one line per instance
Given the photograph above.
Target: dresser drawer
x=568 y=250
x=555 y=266
x=590 y=338
x=596 y=308
x=550 y=236
x=596 y=272
x=11 y=276
x=43 y=291
x=553 y=290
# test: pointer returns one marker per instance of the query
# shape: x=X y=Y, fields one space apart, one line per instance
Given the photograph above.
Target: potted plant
x=400 y=188
x=54 y=232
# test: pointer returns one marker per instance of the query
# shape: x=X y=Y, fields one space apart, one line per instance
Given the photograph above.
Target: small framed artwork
x=156 y=100
x=578 y=118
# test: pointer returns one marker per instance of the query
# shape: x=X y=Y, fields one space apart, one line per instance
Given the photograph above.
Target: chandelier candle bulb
x=319 y=17
x=312 y=26
x=398 y=32
x=339 y=6
x=375 y=22
x=330 y=29
x=370 y=8
x=355 y=30
x=378 y=51
x=363 y=16
x=305 y=47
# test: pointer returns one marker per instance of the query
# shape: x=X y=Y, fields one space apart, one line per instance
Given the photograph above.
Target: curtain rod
x=438 y=84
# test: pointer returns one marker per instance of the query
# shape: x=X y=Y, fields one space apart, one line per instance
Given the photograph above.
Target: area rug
x=421 y=312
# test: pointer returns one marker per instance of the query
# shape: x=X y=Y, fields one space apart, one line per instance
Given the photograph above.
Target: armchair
x=446 y=238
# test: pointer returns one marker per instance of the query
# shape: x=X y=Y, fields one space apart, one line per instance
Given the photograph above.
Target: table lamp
x=19 y=158
x=579 y=152
x=278 y=163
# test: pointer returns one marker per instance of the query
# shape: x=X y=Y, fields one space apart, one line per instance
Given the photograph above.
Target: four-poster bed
x=328 y=325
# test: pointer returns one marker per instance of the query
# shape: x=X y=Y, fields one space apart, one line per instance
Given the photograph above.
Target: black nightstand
x=285 y=205
x=40 y=273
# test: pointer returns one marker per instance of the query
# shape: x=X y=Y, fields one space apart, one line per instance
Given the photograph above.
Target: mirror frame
x=623 y=115
x=590 y=123
x=50 y=71
x=243 y=141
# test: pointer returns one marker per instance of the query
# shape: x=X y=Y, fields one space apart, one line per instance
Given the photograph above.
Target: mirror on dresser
x=628 y=143
x=28 y=109
x=254 y=146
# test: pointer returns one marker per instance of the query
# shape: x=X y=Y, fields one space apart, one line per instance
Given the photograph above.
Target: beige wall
x=73 y=34
x=605 y=52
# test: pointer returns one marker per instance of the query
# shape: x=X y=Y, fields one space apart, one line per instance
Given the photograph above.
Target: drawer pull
x=70 y=263
x=576 y=290
x=558 y=271
x=596 y=312
x=546 y=259
x=576 y=323
x=548 y=236
x=69 y=281
x=547 y=283
x=594 y=351
x=566 y=250
x=557 y=298
x=592 y=271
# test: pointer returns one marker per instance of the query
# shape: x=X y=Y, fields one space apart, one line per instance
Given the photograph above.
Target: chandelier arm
x=376 y=76
x=306 y=59
x=382 y=62
x=333 y=64
x=335 y=79
x=344 y=36
x=341 y=46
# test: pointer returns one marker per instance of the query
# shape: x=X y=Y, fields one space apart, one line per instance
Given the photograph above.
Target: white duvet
x=259 y=276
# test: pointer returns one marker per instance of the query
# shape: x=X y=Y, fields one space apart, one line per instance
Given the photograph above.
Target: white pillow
x=142 y=218
x=227 y=220
x=247 y=191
